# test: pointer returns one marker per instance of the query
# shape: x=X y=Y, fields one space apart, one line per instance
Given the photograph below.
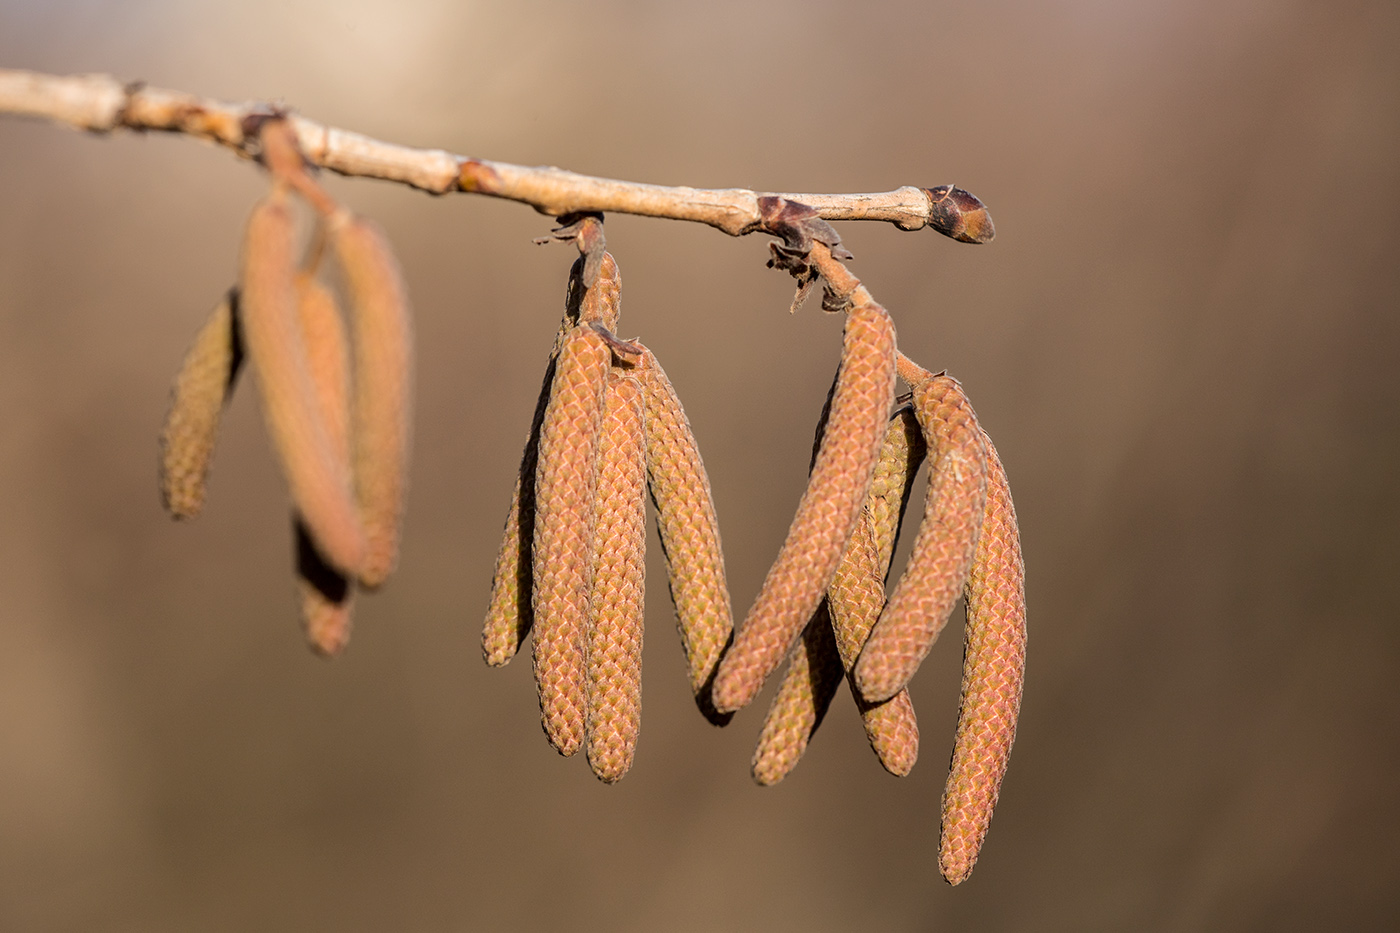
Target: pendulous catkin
x=827 y=514
x=616 y=602
x=994 y=669
x=509 y=617
x=688 y=528
x=804 y=694
x=942 y=555
x=320 y=481
x=204 y=383
x=327 y=596
x=565 y=485
x=832 y=640
x=382 y=332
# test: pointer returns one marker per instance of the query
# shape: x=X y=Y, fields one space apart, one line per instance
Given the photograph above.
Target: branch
x=100 y=104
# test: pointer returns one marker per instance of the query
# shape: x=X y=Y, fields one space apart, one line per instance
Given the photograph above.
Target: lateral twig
x=101 y=104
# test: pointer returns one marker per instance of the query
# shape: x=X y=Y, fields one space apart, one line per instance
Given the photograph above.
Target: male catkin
x=327 y=597
x=205 y=381
x=827 y=514
x=994 y=669
x=942 y=555
x=688 y=527
x=320 y=481
x=382 y=410
x=565 y=485
x=616 y=603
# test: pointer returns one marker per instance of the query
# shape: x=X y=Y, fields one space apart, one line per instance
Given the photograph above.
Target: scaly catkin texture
x=327 y=597
x=828 y=650
x=942 y=555
x=319 y=480
x=994 y=669
x=510 y=617
x=827 y=514
x=205 y=381
x=689 y=530
x=616 y=604
x=383 y=403
x=813 y=674
x=565 y=485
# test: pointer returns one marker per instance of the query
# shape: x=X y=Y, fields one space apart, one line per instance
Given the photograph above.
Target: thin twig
x=101 y=103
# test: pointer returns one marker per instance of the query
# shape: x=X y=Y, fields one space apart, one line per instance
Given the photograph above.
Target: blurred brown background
x=1184 y=342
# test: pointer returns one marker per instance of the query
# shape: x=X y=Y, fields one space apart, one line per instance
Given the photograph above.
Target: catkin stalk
x=565 y=485
x=994 y=670
x=204 y=383
x=942 y=555
x=616 y=603
x=689 y=531
x=827 y=514
x=319 y=480
x=382 y=410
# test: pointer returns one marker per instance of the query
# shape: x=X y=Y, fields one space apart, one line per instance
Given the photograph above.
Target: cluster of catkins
x=336 y=399
x=607 y=430
x=609 y=426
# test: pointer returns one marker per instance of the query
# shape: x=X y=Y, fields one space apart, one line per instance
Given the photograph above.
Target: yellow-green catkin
x=205 y=381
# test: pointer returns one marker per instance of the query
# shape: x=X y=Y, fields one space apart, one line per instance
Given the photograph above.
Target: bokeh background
x=1185 y=342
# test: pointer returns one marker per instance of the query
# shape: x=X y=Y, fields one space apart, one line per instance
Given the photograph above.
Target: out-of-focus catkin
x=319 y=480
x=382 y=409
x=327 y=597
x=942 y=555
x=205 y=381
x=827 y=514
x=565 y=485
x=688 y=527
x=994 y=669
x=616 y=603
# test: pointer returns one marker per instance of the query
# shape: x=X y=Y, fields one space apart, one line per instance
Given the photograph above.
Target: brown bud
x=204 y=383
x=959 y=214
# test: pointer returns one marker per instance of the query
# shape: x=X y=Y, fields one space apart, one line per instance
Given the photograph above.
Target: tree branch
x=101 y=104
